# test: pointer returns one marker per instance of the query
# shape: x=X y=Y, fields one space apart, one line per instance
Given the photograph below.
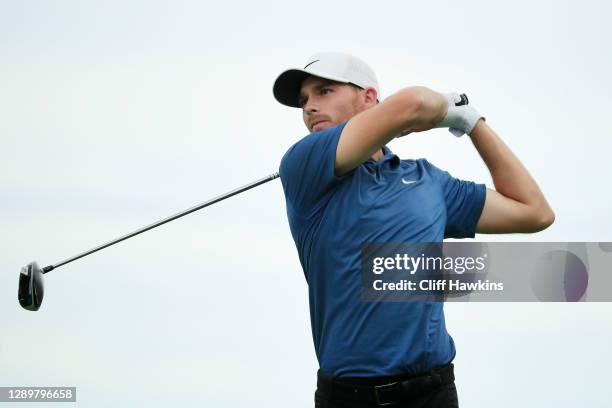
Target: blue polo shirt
x=389 y=200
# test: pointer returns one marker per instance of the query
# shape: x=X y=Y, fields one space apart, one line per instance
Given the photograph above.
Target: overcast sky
x=115 y=114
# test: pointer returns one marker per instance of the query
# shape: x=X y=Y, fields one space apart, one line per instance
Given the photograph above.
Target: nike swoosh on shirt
x=408 y=181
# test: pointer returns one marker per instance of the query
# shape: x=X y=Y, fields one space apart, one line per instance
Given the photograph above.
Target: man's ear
x=370 y=96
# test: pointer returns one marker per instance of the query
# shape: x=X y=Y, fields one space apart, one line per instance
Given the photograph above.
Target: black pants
x=441 y=396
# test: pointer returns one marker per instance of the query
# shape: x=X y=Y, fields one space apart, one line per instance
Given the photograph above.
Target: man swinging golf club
x=343 y=186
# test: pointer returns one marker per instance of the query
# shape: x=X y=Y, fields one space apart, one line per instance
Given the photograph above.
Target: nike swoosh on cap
x=307 y=65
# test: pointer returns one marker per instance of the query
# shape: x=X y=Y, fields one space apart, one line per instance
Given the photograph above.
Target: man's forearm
x=510 y=177
x=366 y=132
x=431 y=109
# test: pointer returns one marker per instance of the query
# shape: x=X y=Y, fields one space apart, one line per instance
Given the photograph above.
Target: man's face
x=327 y=103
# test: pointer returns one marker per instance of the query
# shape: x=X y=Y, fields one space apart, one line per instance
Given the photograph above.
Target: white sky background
x=116 y=114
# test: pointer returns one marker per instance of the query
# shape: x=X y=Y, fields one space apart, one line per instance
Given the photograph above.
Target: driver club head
x=31 y=288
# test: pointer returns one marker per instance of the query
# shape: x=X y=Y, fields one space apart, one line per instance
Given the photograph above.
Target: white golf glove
x=461 y=117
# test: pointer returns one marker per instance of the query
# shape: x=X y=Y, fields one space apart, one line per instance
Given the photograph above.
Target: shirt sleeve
x=307 y=169
x=464 y=203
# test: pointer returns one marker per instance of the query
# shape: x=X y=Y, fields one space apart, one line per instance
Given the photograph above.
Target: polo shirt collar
x=388 y=157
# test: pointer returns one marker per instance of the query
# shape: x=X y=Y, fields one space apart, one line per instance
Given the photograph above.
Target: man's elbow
x=543 y=220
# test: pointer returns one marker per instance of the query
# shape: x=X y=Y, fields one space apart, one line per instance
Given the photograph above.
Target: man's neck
x=376 y=156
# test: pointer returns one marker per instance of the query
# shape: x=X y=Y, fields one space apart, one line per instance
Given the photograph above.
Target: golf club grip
x=165 y=220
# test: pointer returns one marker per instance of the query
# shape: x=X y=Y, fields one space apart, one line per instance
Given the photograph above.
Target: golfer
x=343 y=187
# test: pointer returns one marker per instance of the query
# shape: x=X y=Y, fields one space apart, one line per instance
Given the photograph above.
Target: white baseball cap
x=329 y=65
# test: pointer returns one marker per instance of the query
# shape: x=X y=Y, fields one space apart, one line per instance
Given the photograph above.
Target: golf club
x=31 y=288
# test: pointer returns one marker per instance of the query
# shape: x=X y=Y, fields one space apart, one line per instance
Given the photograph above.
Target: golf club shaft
x=165 y=220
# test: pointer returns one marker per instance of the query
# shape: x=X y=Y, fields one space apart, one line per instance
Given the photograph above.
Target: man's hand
x=461 y=117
